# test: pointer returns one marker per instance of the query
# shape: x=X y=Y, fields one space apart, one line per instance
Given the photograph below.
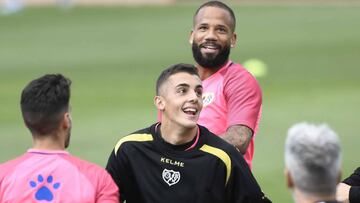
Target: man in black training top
x=177 y=160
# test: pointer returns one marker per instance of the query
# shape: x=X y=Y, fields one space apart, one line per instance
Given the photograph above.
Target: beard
x=209 y=60
x=67 y=141
x=68 y=135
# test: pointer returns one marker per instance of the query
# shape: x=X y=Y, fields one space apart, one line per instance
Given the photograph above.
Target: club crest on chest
x=171 y=177
x=208 y=98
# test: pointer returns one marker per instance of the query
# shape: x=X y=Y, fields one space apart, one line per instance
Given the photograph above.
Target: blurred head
x=179 y=95
x=312 y=159
x=213 y=34
x=45 y=106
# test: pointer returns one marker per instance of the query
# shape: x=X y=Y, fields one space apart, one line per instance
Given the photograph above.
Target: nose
x=210 y=35
x=193 y=97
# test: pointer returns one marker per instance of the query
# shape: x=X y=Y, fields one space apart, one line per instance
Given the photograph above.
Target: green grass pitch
x=113 y=55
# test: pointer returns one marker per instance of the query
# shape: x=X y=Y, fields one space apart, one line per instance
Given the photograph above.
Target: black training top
x=354 y=181
x=149 y=170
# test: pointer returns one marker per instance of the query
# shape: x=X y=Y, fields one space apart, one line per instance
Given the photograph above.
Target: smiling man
x=177 y=160
x=232 y=96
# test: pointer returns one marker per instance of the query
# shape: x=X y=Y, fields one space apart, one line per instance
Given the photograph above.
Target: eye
x=199 y=92
x=181 y=90
x=222 y=30
x=202 y=28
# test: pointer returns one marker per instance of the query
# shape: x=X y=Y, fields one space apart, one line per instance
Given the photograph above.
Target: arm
x=239 y=136
x=349 y=189
x=354 y=194
x=342 y=192
x=109 y=192
x=242 y=186
x=116 y=170
x=243 y=96
x=346 y=193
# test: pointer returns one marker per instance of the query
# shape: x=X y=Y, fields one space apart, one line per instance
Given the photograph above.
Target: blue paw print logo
x=44 y=192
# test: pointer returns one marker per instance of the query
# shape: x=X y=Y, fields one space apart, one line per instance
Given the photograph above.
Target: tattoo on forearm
x=239 y=136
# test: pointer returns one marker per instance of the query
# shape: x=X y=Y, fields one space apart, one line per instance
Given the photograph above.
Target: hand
x=342 y=192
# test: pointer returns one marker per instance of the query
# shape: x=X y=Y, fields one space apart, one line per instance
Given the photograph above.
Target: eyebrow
x=182 y=85
x=203 y=24
x=224 y=26
x=186 y=85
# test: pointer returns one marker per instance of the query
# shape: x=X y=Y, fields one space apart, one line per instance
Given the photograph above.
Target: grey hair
x=313 y=158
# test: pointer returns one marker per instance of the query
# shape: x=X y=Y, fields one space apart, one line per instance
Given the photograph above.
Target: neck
x=48 y=142
x=301 y=197
x=207 y=72
x=177 y=136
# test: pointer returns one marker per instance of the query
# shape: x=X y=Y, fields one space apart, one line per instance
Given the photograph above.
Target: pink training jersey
x=55 y=176
x=231 y=96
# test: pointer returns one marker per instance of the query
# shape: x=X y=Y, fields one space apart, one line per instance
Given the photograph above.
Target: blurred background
x=113 y=51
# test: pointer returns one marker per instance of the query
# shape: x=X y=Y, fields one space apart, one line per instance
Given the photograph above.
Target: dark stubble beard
x=211 y=61
x=67 y=139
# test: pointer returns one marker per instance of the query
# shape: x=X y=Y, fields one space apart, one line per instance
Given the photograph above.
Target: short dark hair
x=221 y=5
x=44 y=101
x=177 y=68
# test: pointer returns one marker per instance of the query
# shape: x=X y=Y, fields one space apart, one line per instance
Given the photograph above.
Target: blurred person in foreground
x=312 y=163
x=349 y=189
x=232 y=97
x=177 y=160
x=46 y=172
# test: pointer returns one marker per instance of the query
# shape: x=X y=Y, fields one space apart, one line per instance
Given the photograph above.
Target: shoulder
x=237 y=77
x=84 y=165
x=92 y=171
x=238 y=82
x=96 y=175
x=357 y=171
x=8 y=167
x=214 y=140
x=236 y=71
x=218 y=147
x=136 y=138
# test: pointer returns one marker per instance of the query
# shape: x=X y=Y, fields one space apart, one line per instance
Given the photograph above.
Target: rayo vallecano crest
x=171 y=177
x=208 y=98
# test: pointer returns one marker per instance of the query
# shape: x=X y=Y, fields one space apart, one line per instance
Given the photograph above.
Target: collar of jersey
x=220 y=69
x=195 y=144
x=47 y=152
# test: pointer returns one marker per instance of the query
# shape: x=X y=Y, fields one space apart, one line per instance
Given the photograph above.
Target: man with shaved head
x=177 y=160
x=232 y=96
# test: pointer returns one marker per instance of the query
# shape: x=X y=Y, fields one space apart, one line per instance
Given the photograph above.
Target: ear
x=289 y=181
x=159 y=103
x=191 y=37
x=66 y=124
x=233 y=40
